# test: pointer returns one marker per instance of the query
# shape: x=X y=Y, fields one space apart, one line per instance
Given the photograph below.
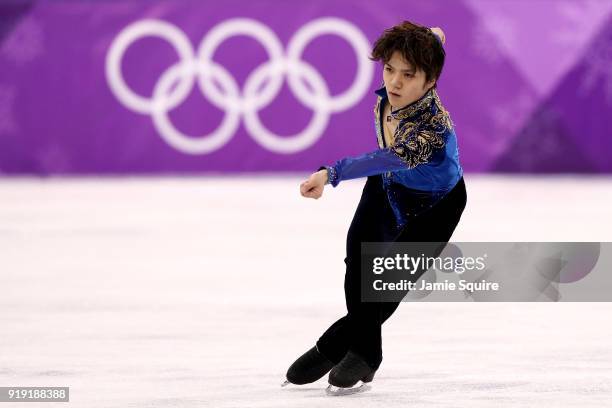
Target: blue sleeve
x=407 y=153
x=368 y=164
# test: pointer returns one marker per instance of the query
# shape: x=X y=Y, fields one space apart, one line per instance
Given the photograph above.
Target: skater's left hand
x=440 y=33
x=313 y=187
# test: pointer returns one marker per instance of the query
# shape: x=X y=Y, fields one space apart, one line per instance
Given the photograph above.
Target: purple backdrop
x=529 y=88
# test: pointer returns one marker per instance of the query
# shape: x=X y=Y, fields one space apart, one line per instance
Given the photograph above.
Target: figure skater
x=414 y=193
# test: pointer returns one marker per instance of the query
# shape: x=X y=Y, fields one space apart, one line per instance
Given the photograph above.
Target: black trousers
x=360 y=329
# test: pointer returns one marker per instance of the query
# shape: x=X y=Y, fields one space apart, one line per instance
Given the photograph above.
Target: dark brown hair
x=417 y=44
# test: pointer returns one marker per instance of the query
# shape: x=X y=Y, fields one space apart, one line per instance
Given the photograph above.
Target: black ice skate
x=344 y=377
x=311 y=366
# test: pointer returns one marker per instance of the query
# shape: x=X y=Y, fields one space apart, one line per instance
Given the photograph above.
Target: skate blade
x=340 y=391
x=286 y=383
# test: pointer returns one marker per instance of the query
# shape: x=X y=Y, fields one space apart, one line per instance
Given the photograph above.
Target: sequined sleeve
x=368 y=164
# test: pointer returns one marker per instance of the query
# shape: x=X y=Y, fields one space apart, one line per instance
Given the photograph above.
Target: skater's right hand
x=313 y=187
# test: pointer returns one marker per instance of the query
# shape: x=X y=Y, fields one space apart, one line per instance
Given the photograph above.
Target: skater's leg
x=360 y=329
x=334 y=342
x=372 y=219
x=435 y=225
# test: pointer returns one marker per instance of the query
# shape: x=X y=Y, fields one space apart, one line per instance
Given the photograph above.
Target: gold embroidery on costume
x=421 y=129
x=389 y=128
x=379 y=136
x=418 y=148
x=416 y=107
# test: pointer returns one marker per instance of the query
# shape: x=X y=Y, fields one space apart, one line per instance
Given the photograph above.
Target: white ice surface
x=199 y=292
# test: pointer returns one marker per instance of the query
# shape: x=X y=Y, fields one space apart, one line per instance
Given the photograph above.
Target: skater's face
x=403 y=82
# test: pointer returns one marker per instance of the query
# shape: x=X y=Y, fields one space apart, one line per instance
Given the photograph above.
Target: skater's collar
x=415 y=107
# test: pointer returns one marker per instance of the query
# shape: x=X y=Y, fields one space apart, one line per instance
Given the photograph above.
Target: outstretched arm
x=406 y=153
x=368 y=164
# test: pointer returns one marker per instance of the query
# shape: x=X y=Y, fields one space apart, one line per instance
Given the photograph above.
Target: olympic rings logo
x=237 y=103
